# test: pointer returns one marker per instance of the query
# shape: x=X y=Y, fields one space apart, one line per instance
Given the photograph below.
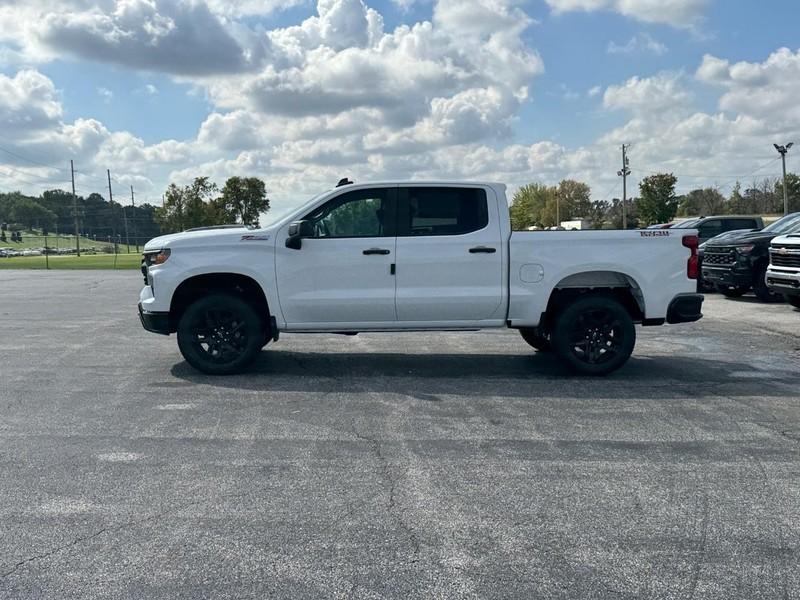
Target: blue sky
x=500 y=89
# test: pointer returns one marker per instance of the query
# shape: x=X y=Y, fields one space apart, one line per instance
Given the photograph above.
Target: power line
x=36 y=184
x=24 y=172
x=653 y=171
x=611 y=190
x=33 y=162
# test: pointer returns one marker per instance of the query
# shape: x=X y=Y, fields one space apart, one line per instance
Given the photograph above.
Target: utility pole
x=624 y=172
x=783 y=150
x=111 y=204
x=135 y=239
x=558 y=210
x=75 y=210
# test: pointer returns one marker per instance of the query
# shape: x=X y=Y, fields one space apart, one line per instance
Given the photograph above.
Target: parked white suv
x=414 y=257
x=783 y=273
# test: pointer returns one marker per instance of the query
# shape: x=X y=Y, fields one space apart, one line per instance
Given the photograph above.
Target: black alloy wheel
x=220 y=334
x=594 y=335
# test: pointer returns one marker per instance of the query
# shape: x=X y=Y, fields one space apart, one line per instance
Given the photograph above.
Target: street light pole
x=783 y=150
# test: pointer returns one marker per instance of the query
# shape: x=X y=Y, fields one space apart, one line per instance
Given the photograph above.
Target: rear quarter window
x=731 y=224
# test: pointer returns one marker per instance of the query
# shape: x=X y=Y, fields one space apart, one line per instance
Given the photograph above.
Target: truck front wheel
x=220 y=334
x=594 y=335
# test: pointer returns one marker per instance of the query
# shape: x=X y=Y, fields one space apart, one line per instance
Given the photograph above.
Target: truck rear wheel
x=594 y=335
x=220 y=334
x=536 y=339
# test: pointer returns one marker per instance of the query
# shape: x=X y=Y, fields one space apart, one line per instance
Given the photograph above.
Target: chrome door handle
x=373 y=251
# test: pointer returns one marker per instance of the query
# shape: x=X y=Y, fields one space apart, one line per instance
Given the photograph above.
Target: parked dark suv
x=709 y=227
x=737 y=262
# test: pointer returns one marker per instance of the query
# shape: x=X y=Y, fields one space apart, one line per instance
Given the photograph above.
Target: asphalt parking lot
x=392 y=466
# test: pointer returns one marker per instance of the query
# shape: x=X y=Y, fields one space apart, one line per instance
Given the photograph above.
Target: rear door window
x=436 y=211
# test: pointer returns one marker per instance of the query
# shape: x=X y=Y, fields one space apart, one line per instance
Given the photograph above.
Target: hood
x=737 y=236
x=204 y=237
x=787 y=239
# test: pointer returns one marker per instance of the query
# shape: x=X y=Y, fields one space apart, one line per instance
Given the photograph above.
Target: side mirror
x=297 y=231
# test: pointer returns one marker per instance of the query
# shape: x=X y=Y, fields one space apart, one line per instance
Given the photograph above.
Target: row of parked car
x=11 y=252
x=765 y=260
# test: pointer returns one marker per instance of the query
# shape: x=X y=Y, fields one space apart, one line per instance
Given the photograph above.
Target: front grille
x=719 y=256
x=786 y=260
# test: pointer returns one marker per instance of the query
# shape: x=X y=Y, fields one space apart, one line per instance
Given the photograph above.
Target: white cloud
x=28 y=104
x=678 y=13
x=767 y=90
x=641 y=42
x=183 y=38
x=652 y=96
x=426 y=76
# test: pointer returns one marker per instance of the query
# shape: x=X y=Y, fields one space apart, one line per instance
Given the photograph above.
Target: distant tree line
x=200 y=204
x=536 y=205
x=53 y=213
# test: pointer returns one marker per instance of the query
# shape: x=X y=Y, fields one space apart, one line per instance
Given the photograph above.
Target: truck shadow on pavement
x=475 y=374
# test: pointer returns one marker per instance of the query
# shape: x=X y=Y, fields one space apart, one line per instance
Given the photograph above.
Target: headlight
x=156 y=257
x=746 y=249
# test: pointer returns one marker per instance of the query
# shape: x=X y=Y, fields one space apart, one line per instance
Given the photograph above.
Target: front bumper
x=154 y=322
x=685 y=309
x=727 y=276
x=784 y=281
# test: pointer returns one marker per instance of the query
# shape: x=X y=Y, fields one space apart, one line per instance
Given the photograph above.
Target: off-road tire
x=220 y=334
x=594 y=335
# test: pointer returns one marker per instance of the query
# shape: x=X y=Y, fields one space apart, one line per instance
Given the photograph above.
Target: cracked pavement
x=441 y=465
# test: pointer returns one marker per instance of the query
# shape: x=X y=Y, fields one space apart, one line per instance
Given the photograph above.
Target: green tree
x=657 y=202
x=575 y=200
x=614 y=214
x=705 y=201
x=243 y=200
x=529 y=207
x=188 y=207
x=598 y=213
x=793 y=187
x=31 y=214
x=737 y=203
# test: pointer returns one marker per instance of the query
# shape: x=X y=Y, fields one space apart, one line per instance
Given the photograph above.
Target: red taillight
x=693 y=266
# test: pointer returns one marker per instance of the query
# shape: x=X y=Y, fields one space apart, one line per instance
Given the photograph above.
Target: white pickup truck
x=783 y=272
x=415 y=257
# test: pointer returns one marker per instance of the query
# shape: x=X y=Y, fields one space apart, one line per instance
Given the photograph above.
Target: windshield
x=787 y=224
